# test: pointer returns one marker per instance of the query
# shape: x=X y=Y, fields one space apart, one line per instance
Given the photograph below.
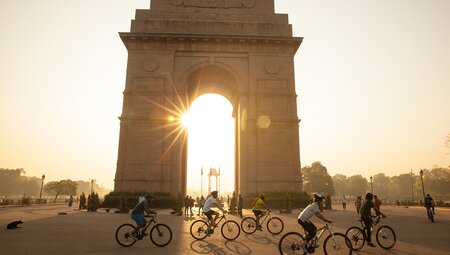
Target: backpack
x=254 y=202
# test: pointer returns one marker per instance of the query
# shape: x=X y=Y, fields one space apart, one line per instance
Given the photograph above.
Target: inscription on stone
x=148 y=84
x=215 y=3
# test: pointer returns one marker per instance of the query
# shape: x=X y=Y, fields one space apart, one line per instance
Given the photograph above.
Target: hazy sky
x=373 y=80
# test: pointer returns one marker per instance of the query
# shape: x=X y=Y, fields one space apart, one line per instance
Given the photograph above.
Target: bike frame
x=148 y=223
x=264 y=218
x=322 y=230
x=218 y=222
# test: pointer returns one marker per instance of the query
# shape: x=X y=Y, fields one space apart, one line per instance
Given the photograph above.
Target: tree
x=317 y=179
x=380 y=184
x=400 y=187
x=340 y=184
x=82 y=204
x=63 y=187
x=447 y=141
x=437 y=182
x=357 y=185
x=13 y=182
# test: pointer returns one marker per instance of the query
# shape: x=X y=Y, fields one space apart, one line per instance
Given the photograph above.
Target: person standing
x=186 y=205
x=240 y=205
x=191 y=204
x=344 y=202
x=358 y=203
x=201 y=204
x=377 y=202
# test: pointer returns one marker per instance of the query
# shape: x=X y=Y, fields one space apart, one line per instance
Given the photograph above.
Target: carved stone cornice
x=210 y=43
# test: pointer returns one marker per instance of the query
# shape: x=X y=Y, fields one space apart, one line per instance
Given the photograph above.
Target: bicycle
x=430 y=213
x=334 y=243
x=200 y=228
x=160 y=234
x=385 y=235
x=275 y=225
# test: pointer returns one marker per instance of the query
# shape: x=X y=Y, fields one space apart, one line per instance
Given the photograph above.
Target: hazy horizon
x=372 y=79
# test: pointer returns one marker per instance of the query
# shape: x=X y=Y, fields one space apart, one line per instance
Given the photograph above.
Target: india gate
x=179 y=50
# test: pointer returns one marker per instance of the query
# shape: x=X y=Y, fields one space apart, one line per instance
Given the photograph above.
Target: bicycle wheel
x=290 y=244
x=386 y=237
x=199 y=229
x=337 y=243
x=161 y=235
x=123 y=236
x=357 y=237
x=275 y=225
x=430 y=214
x=248 y=225
x=230 y=230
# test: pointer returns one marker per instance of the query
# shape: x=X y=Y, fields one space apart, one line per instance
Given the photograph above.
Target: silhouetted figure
x=240 y=205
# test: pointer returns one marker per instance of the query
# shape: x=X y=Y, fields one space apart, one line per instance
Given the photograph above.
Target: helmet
x=149 y=197
x=428 y=195
x=262 y=195
x=369 y=195
x=214 y=193
x=318 y=197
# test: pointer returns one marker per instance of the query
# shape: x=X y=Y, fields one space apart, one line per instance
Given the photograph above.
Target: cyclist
x=257 y=205
x=303 y=219
x=429 y=203
x=366 y=216
x=212 y=200
x=137 y=214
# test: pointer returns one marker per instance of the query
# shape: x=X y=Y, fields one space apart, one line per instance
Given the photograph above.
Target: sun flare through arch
x=210 y=128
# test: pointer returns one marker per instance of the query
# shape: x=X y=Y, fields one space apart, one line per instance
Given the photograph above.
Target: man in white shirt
x=211 y=201
x=311 y=210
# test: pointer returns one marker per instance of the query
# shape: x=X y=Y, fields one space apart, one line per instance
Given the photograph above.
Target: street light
x=423 y=188
x=42 y=185
x=412 y=186
x=371 y=184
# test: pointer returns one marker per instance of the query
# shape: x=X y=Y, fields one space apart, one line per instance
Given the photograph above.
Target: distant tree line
x=403 y=187
x=14 y=182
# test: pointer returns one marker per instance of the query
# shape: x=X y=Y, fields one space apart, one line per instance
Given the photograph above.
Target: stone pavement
x=46 y=232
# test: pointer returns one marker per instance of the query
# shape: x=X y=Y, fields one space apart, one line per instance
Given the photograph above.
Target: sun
x=186 y=120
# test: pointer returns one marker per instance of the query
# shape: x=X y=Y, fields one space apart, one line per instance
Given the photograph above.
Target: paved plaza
x=46 y=232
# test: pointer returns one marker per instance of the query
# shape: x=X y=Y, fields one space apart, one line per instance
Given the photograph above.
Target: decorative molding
x=214 y=3
x=146 y=42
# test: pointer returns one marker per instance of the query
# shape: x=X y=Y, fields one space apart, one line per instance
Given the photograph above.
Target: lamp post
x=371 y=184
x=412 y=186
x=423 y=188
x=42 y=185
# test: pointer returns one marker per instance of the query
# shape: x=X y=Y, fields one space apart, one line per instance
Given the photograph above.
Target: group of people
x=364 y=209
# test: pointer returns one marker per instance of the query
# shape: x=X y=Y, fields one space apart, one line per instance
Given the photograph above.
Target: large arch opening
x=211 y=143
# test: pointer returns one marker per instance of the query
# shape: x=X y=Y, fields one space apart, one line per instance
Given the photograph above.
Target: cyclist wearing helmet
x=366 y=216
x=303 y=219
x=257 y=205
x=137 y=214
x=212 y=200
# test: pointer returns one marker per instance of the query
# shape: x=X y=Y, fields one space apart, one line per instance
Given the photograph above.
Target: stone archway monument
x=181 y=49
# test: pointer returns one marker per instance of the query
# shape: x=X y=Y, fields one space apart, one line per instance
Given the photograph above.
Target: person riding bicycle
x=303 y=218
x=257 y=205
x=212 y=200
x=429 y=203
x=366 y=216
x=137 y=214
